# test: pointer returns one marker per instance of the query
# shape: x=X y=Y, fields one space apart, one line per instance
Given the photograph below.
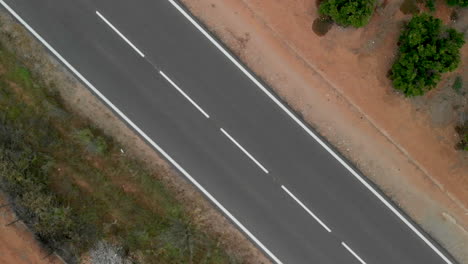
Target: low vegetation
x=462 y=131
x=458 y=84
x=427 y=49
x=75 y=189
x=431 y=5
x=460 y=3
x=356 y=13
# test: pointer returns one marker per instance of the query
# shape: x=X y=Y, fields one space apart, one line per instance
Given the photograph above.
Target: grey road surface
x=293 y=198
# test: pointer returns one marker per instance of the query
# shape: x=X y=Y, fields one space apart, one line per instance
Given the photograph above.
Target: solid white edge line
x=184 y=94
x=244 y=150
x=301 y=124
x=120 y=34
x=353 y=253
x=174 y=163
x=306 y=209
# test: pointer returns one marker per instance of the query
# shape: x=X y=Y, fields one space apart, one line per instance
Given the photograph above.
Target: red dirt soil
x=17 y=244
x=338 y=83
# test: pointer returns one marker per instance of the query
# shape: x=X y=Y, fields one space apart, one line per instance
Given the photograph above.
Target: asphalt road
x=226 y=133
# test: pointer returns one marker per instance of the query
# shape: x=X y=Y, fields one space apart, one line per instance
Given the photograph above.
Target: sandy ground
x=17 y=244
x=338 y=84
x=81 y=101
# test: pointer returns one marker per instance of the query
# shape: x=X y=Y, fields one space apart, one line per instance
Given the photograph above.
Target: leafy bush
x=430 y=4
x=461 y=3
x=356 y=13
x=427 y=50
x=458 y=84
x=94 y=144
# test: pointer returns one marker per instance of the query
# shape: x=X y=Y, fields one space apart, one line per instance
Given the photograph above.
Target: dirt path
x=17 y=244
x=338 y=83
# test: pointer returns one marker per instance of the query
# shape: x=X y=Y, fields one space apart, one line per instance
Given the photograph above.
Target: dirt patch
x=338 y=83
x=17 y=244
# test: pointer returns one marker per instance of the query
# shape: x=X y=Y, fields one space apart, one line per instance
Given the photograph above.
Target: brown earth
x=338 y=84
x=17 y=243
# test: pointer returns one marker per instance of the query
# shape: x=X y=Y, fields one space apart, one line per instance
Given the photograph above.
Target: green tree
x=461 y=3
x=356 y=13
x=426 y=50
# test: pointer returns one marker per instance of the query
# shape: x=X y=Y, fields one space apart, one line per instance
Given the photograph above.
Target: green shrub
x=23 y=76
x=356 y=13
x=426 y=50
x=458 y=84
x=461 y=3
x=430 y=4
x=94 y=144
